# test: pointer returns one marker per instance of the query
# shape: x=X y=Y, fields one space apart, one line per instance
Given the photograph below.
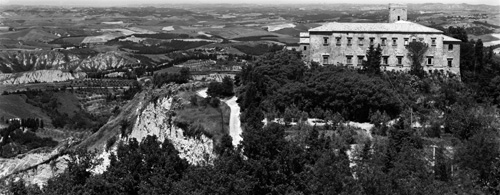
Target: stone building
x=347 y=44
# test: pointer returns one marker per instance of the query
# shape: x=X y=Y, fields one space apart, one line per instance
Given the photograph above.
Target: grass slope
x=208 y=117
x=15 y=106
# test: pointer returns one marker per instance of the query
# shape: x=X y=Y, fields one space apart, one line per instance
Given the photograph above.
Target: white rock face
x=41 y=172
x=55 y=60
x=41 y=76
x=156 y=120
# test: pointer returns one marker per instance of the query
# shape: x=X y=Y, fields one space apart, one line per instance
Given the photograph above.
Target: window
x=338 y=41
x=325 y=59
x=414 y=40
x=361 y=39
x=394 y=41
x=325 y=40
x=399 y=18
x=429 y=60
x=406 y=41
x=450 y=62
x=349 y=60
x=421 y=39
x=385 y=60
x=372 y=40
x=384 y=41
x=360 y=60
x=349 y=41
x=305 y=48
x=433 y=41
x=450 y=47
x=400 y=60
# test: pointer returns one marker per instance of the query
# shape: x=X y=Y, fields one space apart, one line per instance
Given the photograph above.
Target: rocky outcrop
x=36 y=167
x=103 y=61
x=156 y=119
x=39 y=76
x=21 y=61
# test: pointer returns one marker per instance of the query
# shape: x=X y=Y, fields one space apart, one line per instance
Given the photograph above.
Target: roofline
x=449 y=41
x=376 y=32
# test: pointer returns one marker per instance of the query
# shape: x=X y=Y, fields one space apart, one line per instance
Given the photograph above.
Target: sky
x=124 y=2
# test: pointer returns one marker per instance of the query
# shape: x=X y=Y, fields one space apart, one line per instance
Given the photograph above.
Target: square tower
x=397 y=12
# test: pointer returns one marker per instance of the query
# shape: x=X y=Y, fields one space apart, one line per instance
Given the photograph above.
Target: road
x=234 y=119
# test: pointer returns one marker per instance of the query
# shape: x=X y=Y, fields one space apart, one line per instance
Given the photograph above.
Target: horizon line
x=54 y=4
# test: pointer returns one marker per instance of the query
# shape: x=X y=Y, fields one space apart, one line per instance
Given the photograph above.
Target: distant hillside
x=458 y=7
x=68 y=60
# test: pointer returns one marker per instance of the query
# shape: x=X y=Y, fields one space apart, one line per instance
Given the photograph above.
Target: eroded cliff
x=22 y=61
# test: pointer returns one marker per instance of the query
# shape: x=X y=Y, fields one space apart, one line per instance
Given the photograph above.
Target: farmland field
x=15 y=106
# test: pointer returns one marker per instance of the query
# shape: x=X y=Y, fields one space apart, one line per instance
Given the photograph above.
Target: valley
x=219 y=99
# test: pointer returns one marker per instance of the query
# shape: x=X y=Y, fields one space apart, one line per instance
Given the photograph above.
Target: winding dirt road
x=234 y=119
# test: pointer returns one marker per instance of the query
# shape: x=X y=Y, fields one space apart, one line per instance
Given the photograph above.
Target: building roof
x=396 y=27
x=450 y=39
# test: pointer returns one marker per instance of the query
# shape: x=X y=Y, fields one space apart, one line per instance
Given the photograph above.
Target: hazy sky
x=124 y=2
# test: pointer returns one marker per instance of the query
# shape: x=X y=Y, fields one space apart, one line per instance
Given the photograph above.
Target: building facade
x=348 y=43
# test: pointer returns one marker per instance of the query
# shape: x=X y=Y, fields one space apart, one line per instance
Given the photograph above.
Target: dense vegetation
x=182 y=77
x=14 y=140
x=455 y=149
x=224 y=89
x=259 y=49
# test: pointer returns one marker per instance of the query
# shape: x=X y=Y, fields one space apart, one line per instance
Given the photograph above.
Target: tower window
x=450 y=47
x=305 y=48
x=325 y=59
x=450 y=62
x=400 y=60
x=429 y=60
x=325 y=40
x=399 y=18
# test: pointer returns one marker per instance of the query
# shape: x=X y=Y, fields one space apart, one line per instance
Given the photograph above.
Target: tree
x=228 y=85
x=416 y=53
x=373 y=60
x=458 y=33
x=481 y=156
x=264 y=142
x=479 y=56
x=215 y=89
x=224 y=89
x=225 y=146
